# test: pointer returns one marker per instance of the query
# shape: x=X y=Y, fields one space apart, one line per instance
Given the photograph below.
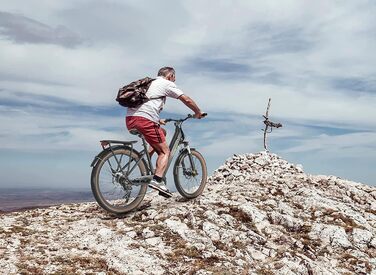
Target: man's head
x=168 y=73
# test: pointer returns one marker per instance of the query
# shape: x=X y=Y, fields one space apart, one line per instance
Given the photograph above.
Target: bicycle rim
x=110 y=184
x=190 y=182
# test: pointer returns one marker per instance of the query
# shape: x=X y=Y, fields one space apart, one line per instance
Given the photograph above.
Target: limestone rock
x=330 y=235
x=259 y=214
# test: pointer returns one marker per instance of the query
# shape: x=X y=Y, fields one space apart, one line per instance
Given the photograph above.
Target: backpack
x=134 y=94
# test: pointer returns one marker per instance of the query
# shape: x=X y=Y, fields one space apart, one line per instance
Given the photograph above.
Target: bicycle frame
x=114 y=178
x=177 y=139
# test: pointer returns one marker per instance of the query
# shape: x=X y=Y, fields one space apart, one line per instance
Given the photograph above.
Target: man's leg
x=163 y=154
x=157 y=182
x=155 y=136
x=151 y=149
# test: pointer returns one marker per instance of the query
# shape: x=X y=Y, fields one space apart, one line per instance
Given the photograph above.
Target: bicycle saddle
x=134 y=132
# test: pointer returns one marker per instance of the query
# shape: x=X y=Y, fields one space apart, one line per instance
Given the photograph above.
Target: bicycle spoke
x=113 y=186
x=128 y=163
x=119 y=163
x=189 y=179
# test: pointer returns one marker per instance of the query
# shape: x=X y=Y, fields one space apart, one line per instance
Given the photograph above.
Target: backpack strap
x=151 y=98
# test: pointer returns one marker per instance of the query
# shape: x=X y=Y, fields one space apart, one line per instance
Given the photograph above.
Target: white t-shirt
x=159 y=89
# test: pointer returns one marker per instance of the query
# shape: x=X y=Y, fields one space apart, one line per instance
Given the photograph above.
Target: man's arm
x=191 y=105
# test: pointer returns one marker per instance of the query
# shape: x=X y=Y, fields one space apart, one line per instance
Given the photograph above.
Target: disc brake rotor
x=188 y=173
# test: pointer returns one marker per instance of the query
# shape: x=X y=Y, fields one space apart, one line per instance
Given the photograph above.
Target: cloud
x=22 y=29
x=83 y=75
x=216 y=66
x=314 y=59
x=55 y=128
x=367 y=85
x=347 y=145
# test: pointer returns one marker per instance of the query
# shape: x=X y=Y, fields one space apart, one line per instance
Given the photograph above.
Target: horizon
x=63 y=62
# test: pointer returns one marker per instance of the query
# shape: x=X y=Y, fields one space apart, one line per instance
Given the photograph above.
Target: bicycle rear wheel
x=190 y=180
x=111 y=180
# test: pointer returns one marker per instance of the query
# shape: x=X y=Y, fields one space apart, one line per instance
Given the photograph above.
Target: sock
x=157 y=178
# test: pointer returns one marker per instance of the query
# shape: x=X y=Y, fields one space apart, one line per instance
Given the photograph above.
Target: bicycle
x=119 y=185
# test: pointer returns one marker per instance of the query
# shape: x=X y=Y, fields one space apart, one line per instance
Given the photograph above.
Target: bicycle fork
x=191 y=162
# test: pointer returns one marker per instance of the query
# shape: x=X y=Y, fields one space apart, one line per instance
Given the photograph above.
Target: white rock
x=105 y=233
x=211 y=215
x=154 y=241
x=289 y=222
x=227 y=225
x=258 y=218
x=236 y=173
x=372 y=243
x=199 y=246
x=260 y=161
x=228 y=218
x=361 y=238
x=255 y=254
x=147 y=233
x=177 y=227
x=131 y=234
x=299 y=168
x=211 y=230
x=330 y=235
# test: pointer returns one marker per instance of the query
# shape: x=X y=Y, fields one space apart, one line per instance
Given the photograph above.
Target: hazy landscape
x=15 y=199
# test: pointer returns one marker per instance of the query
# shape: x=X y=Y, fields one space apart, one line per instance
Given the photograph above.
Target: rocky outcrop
x=258 y=215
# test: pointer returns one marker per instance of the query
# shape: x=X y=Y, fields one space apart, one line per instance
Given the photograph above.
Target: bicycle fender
x=101 y=154
x=95 y=160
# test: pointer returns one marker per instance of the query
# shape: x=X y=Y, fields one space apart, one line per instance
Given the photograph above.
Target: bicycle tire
x=96 y=183
x=180 y=186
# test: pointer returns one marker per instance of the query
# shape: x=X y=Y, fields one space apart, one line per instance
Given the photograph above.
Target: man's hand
x=199 y=115
x=162 y=122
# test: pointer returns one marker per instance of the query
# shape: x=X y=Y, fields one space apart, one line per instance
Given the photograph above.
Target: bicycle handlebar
x=184 y=119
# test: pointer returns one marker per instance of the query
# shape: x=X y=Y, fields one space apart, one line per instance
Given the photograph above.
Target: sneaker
x=161 y=187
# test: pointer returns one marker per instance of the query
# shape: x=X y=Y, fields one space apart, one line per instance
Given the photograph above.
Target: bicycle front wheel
x=190 y=174
x=111 y=180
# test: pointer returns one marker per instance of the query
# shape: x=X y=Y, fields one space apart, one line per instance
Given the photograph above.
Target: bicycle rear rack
x=108 y=142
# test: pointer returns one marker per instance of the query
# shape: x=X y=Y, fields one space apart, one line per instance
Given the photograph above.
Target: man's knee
x=161 y=148
x=166 y=150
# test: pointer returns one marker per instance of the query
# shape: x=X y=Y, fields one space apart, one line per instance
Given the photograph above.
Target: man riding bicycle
x=145 y=119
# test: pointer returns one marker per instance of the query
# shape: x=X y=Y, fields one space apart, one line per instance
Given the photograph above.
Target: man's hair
x=165 y=71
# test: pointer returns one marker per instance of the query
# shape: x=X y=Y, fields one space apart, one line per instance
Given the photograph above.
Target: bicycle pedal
x=166 y=195
x=142 y=179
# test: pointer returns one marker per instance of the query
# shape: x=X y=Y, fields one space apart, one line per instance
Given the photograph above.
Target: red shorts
x=152 y=132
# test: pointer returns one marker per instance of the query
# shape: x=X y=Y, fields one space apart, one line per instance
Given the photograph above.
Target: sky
x=62 y=63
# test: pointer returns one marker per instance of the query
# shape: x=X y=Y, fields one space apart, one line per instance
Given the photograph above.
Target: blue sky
x=61 y=63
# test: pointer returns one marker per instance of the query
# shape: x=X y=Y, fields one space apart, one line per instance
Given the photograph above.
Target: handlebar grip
x=202 y=115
